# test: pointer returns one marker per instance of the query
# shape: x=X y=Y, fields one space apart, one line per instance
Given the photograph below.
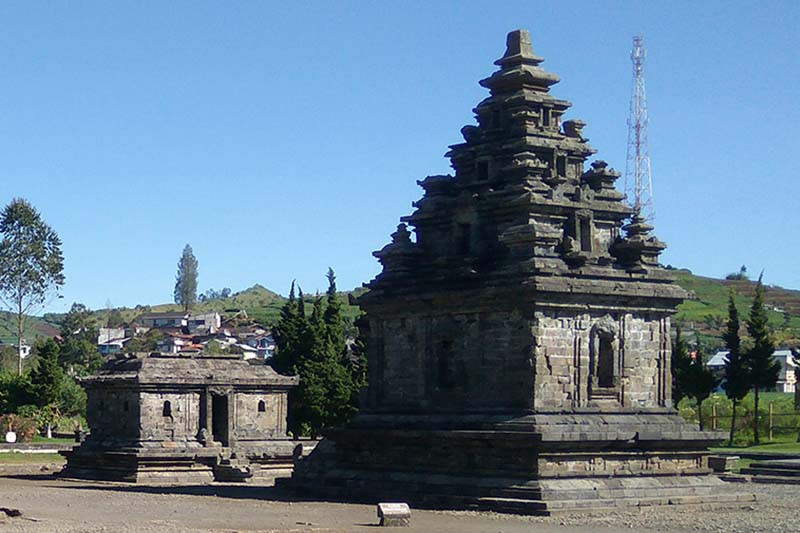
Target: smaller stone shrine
x=183 y=419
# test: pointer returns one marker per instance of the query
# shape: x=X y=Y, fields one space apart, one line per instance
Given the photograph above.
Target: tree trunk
x=49 y=430
x=19 y=338
x=700 y=413
x=755 y=415
x=733 y=423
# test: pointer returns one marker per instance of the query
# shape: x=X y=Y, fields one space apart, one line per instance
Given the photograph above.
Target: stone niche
x=518 y=336
x=183 y=419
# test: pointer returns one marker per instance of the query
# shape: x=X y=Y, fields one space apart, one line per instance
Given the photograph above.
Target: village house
x=164 y=320
x=787 y=379
x=26 y=348
x=206 y=322
x=185 y=332
x=111 y=340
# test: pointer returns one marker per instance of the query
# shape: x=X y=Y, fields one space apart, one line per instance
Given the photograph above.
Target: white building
x=206 y=322
x=787 y=378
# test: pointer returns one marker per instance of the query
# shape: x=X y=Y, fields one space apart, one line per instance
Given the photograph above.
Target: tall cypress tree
x=699 y=381
x=343 y=391
x=186 y=280
x=763 y=368
x=737 y=375
x=309 y=412
x=48 y=377
x=48 y=383
x=285 y=335
x=314 y=349
x=332 y=317
x=291 y=339
x=680 y=366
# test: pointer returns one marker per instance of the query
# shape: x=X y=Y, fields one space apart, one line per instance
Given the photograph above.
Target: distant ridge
x=706 y=316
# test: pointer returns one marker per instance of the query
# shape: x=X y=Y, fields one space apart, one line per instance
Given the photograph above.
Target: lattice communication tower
x=638 y=181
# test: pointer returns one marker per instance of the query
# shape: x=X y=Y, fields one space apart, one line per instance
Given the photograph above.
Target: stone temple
x=175 y=418
x=519 y=341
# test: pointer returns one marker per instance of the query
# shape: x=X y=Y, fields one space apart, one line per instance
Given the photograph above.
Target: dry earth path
x=53 y=505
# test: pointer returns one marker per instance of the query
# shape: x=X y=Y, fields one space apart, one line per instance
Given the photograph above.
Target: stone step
x=781 y=465
x=776 y=466
x=771 y=471
x=782 y=480
x=524 y=505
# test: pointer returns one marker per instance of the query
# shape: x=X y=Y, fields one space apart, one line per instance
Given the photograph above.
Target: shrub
x=24 y=427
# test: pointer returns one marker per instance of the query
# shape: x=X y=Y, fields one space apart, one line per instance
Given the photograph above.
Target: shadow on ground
x=247 y=492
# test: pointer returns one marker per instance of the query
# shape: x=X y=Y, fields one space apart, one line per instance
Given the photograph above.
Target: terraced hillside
x=708 y=313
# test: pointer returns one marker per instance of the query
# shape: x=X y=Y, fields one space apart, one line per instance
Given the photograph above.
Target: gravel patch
x=53 y=505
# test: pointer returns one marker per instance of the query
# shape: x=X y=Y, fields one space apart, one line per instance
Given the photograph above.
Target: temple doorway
x=219 y=418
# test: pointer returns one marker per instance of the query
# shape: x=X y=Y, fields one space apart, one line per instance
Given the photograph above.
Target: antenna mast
x=638 y=181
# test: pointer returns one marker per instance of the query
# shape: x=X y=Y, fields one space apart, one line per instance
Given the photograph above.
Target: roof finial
x=518 y=50
x=518 y=42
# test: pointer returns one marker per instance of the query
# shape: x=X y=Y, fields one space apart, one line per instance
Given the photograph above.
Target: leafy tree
x=145 y=343
x=699 y=381
x=51 y=393
x=72 y=398
x=737 y=378
x=212 y=294
x=114 y=318
x=680 y=366
x=741 y=275
x=763 y=369
x=213 y=347
x=8 y=360
x=80 y=356
x=78 y=351
x=186 y=280
x=31 y=263
x=15 y=391
x=78 y=321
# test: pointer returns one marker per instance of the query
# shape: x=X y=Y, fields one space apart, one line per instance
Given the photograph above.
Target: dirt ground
x=53 y=505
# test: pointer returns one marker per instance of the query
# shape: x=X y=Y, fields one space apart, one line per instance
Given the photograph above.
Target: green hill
x=35 y=328
x=705 y=315
x=261 y=305
x=708 y=313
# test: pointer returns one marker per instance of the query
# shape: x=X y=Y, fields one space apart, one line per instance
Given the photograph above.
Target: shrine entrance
x=219 y=418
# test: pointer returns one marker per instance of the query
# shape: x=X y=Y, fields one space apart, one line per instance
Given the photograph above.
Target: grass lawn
x=16 y=458
x=786 y=443
x=37 y=439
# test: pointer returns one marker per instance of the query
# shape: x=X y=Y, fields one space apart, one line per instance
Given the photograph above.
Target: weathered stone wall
x=566 y=354
x=468 y=360
x=562 y=360
x=183 y=422
x=647 y=381
x=113 y=413
x=621 y=463
x=254 y=424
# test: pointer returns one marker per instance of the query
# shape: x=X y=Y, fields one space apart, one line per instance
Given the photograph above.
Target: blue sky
x=282 y=138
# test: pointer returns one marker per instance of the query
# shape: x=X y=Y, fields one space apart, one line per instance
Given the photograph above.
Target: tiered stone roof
x=521 y=205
